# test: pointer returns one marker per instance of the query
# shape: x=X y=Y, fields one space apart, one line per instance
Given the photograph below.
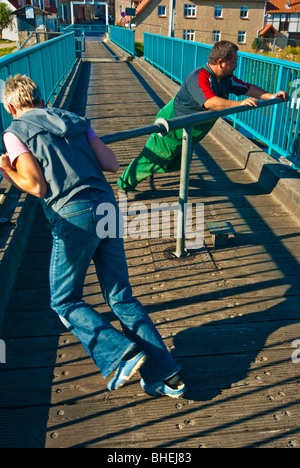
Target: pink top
x=15 y=147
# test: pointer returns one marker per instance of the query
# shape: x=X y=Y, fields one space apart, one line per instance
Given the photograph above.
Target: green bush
x=256 y=44
x=139 y=47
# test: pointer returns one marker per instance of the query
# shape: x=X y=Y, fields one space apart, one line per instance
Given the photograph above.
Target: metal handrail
x=163 y=127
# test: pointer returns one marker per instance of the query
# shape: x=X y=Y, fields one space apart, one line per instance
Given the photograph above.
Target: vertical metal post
x=275 y=122
x=186 y=157
x=72 y=13
x=130 y=15
x=106 y=14
x=172 y=12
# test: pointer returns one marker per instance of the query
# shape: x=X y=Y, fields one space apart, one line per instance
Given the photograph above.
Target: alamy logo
x=296 y=353
x=2 y=352
x=2 y=83
x=295 y=101
x=138 y=221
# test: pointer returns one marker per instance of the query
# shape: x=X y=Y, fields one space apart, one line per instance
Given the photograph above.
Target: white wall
x=11 y=32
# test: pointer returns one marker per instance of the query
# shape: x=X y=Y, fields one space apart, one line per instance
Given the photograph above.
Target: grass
x=290 y=53
x=6 y=50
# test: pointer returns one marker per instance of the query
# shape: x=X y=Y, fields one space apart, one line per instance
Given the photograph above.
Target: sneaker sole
x=158 y=394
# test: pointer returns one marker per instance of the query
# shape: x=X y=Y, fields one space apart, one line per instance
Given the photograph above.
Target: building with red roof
x=284 y=16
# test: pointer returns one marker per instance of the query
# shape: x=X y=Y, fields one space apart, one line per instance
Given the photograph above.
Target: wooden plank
x=99 y=426
x=189 y=289
x=215 y=338
x=206 y=376
x=46 y=322
x=161 y=422
x=106 y=420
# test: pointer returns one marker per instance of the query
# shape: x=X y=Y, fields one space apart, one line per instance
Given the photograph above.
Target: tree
x=6 y=17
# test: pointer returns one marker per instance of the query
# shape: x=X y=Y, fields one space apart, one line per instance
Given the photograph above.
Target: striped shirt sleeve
x=238 y=87
x=205 y=87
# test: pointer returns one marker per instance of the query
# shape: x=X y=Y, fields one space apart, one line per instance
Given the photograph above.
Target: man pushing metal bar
x=205 y=89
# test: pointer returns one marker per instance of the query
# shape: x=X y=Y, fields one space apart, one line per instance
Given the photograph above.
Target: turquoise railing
x=88 y=28
x=48 y=64
x=277 y=127
x=174 y=57
x=123 y=38
x=83 y=30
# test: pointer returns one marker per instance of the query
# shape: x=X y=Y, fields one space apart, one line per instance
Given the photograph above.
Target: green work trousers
x=161 y=154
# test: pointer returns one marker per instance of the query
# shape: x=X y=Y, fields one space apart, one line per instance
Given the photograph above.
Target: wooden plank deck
x=230 y=323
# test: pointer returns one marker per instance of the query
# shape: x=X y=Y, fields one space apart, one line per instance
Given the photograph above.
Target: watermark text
x=159 y=220
x=2 y=352
x=296 y=353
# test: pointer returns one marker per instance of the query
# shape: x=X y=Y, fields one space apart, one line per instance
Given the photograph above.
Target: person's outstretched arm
x=105 y=156
x=254 y=93
x=27 y=176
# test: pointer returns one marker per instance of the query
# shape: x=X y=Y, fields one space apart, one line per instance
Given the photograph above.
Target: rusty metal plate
x=161 y=252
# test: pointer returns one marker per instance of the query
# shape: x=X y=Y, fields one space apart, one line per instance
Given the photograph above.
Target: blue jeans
x=75 y=243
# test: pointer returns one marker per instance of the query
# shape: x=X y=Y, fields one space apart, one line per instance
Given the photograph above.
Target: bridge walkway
x=228 y=314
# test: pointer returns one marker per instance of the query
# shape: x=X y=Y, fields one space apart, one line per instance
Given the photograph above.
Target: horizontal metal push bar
x=163 y=126
x=187 y=123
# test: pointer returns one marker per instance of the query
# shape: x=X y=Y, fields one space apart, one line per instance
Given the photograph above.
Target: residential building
x=29 y=15
x=284 y=15
x=203 y=21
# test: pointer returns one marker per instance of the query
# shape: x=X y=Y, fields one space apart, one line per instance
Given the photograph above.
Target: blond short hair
x=21 y=92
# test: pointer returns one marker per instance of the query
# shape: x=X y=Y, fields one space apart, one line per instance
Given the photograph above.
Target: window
x=162 y=11
x=241 y=37
x=218 y=11
x=216 y=36
x=189 y=35
x=284 y=23
x=244 y=12
x=190 y=11
x=279 y=21
x=294 y=24
x=64 y=11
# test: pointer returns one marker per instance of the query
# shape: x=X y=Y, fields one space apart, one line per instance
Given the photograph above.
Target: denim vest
x=58 y=140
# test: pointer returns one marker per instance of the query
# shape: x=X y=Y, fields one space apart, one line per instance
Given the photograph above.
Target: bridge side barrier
x=83 y=30
x=124 y=38
x=277 y=127
x=163 y=127
x=50 y=65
